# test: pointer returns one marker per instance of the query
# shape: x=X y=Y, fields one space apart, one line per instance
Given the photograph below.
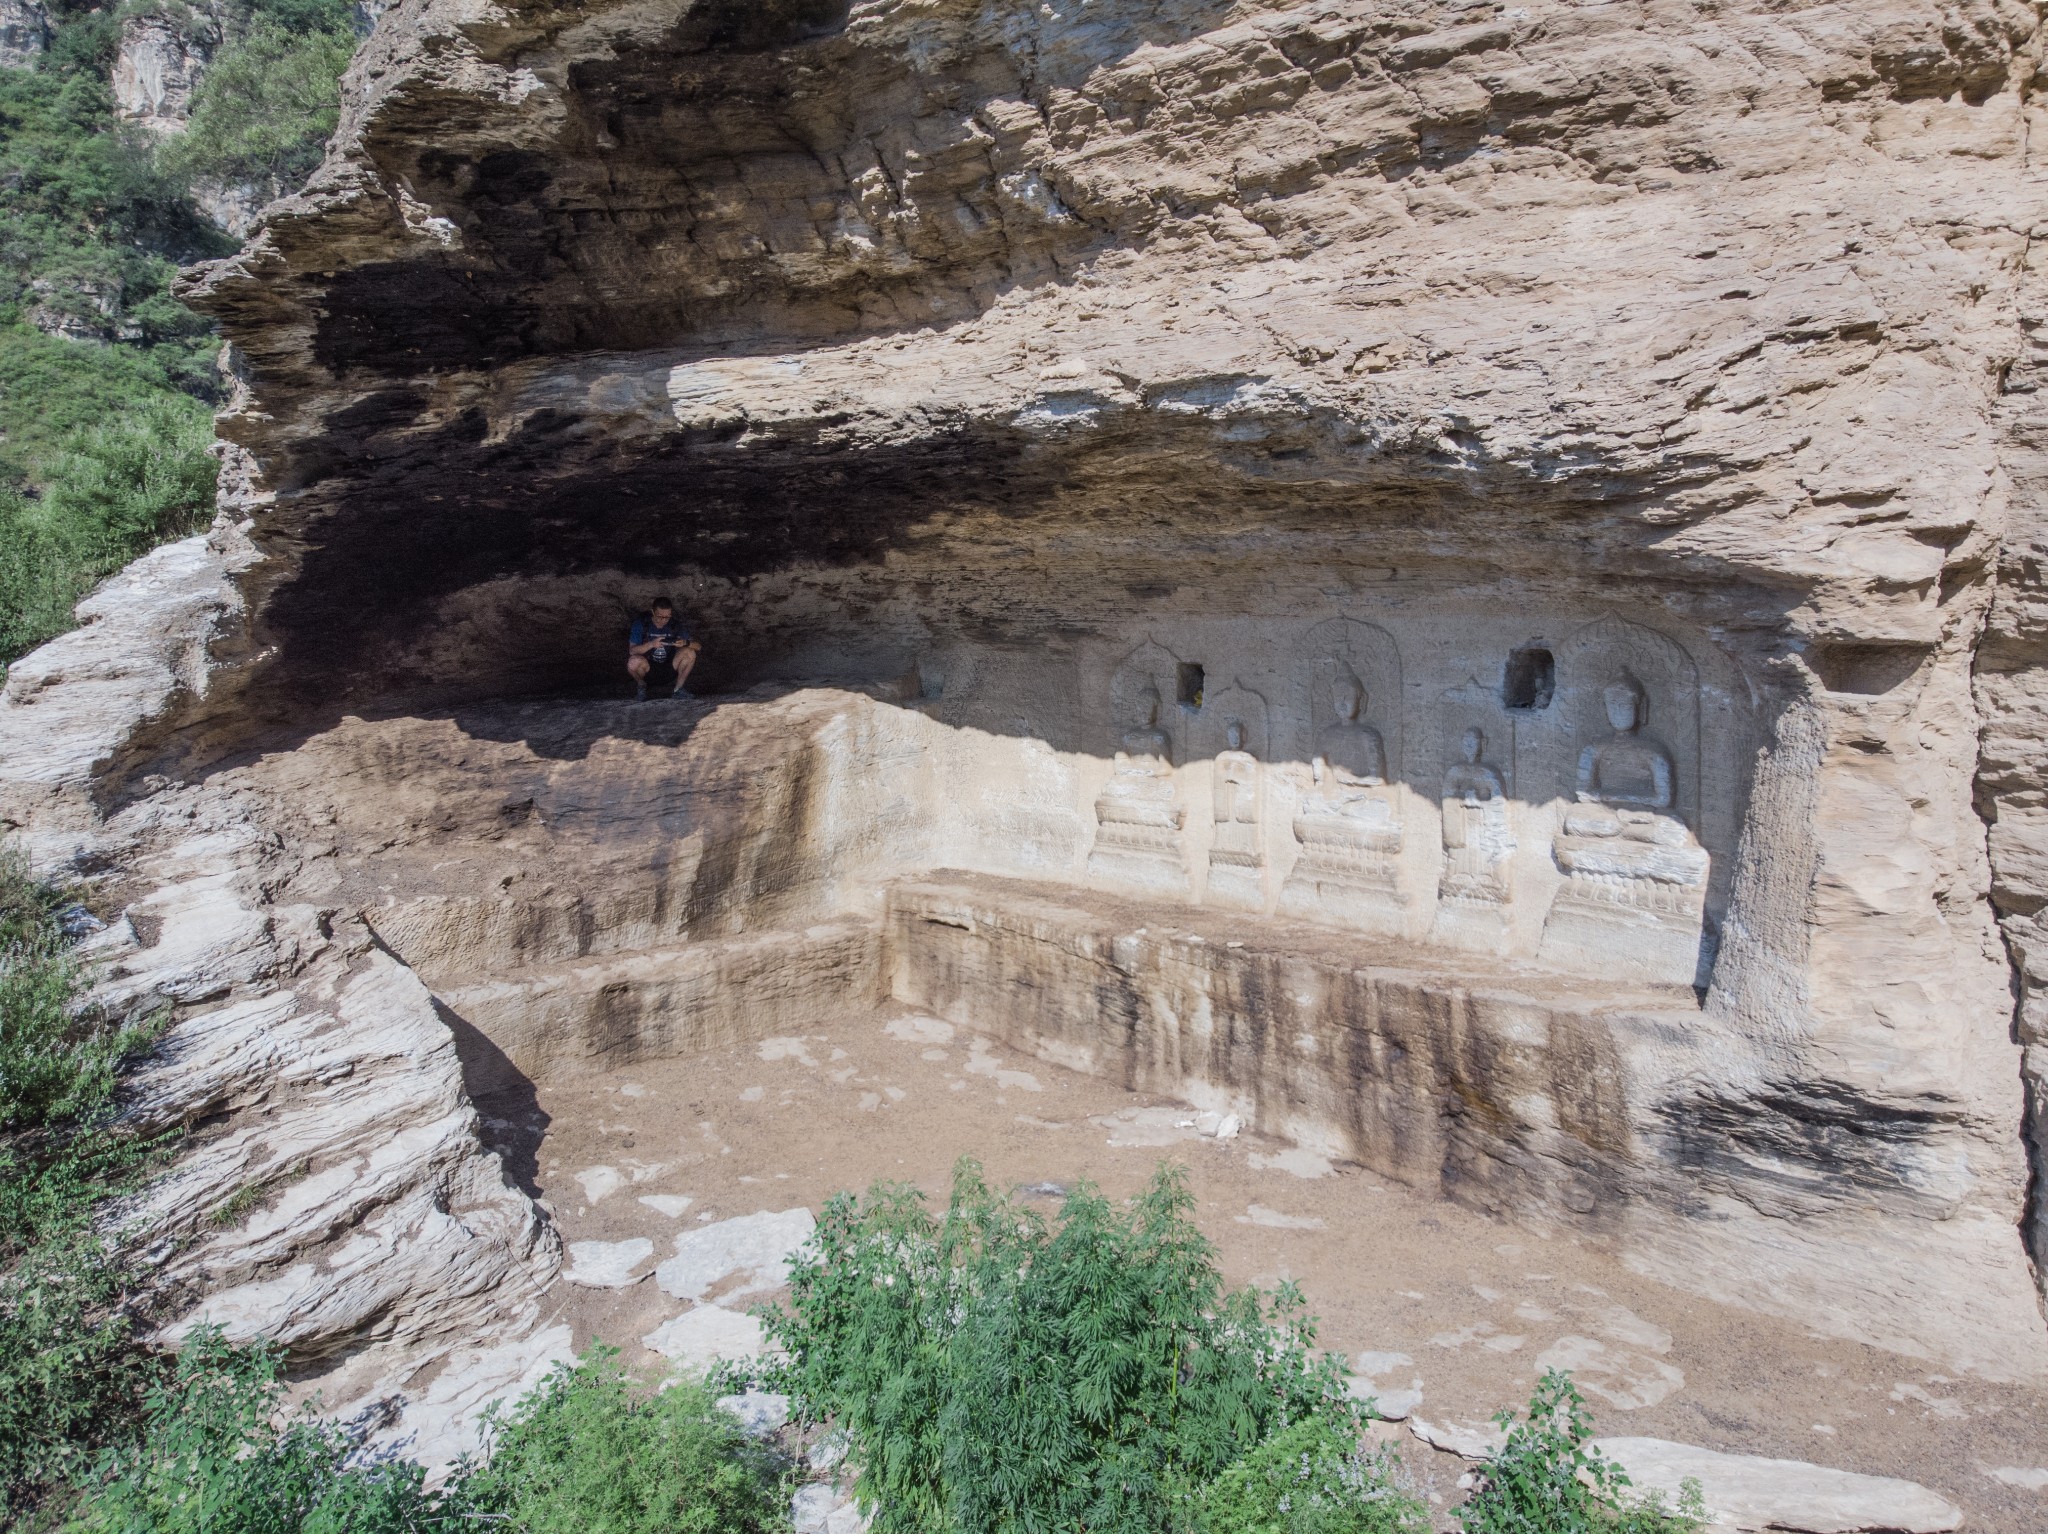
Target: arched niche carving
x=1235 y=704
x=1139 y=815
x=1635 y=876
x=1612 y=651
x=1347 y=649
x=1151 y=666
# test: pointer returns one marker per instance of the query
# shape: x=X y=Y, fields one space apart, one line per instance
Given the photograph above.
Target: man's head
x=662 y=610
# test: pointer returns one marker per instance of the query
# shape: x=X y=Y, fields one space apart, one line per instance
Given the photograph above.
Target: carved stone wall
x=1348 y=800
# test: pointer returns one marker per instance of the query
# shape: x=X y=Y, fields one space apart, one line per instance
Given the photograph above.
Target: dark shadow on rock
x=511 y=1120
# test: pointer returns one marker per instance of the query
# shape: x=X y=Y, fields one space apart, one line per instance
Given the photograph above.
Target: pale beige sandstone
x=158 y=63
x=976 y=375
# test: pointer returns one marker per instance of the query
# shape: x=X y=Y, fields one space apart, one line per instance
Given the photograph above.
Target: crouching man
x=660 y=651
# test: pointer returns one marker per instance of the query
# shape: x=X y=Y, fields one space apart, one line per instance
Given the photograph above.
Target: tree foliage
x=265 y=109
x=995 y=1370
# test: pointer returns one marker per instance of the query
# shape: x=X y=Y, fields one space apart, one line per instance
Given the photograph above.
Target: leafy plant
x=594 y=1451
x=70 y=1374
x=214 y=1459
x=1548 y=1479
x=57 y=1061
x=995 y=1370
x=264 y=111
x=1313 y=1478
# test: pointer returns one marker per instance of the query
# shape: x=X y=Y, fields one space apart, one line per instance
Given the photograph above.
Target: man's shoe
x=685 y=694
x=640 y=692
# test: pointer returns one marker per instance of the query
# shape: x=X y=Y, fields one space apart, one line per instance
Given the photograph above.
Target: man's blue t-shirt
x=671 y=634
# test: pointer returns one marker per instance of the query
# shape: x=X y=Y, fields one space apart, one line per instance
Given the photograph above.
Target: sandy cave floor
x=1477 y=1304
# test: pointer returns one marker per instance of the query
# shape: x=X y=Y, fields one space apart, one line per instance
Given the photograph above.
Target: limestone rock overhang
x=664 y=288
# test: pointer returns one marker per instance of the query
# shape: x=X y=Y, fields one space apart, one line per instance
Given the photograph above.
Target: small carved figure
x=1476 y=836
x=1469 y=784
x=1236 y=806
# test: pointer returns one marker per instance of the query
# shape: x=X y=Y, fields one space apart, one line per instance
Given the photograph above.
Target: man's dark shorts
x=661 y=673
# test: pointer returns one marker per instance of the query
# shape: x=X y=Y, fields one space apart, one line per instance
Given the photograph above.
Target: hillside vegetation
x=107 y=382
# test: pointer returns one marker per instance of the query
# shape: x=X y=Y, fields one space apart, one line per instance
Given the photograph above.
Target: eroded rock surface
x=1453 y=584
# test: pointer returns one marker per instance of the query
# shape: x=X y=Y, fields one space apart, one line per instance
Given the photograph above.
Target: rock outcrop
x=1521 y=516
x=158 y=64
x=24 y=32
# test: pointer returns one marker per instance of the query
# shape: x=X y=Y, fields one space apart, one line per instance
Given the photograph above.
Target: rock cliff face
x=1532 y=508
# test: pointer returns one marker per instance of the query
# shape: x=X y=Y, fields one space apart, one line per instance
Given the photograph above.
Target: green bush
x=71 y=1375
x=214 y=1459
x=994 y=1370
x=1313 y=1478
x=265 y=108
x=593 y=1451
x=1548 y=1479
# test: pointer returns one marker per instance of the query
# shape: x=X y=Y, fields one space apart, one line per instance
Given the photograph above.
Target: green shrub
x=1548 y=1479
x=593 y=1451
x=71 y=1375
x=998 y=1371
x=265 y=109
x=214 y=1459
x=125 y=486
x=57 y=1061
x=1313 y=1478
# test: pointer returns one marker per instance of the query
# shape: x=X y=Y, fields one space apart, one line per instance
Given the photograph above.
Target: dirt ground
x=1477 y=1306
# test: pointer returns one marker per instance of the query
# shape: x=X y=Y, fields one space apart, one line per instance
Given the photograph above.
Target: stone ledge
x=1513 y=1091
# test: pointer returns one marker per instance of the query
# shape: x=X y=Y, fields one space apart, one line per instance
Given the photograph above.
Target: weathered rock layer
x=1525 y=515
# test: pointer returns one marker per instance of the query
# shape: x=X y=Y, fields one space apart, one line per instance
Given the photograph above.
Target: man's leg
x=686 y=662
x=637 y=667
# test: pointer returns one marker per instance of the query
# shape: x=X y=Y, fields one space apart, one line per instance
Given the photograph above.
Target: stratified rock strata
x=1522 y=520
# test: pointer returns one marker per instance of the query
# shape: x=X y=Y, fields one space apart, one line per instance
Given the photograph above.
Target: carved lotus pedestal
x=1633 y=899
x=1348 y=873
x=1138 y=836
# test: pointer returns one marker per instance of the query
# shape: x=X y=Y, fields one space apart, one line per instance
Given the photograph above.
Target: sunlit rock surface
x=1459 y=584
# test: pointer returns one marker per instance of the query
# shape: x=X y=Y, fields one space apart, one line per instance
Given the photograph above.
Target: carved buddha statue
x=1623 y=824
x=1476 y=836
x=1146 y=750
x=1349 y=754
x=1141 y=790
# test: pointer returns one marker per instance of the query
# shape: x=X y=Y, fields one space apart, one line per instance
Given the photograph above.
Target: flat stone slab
x=760 y=1412
x=699 y=1338
x=1468 y=1440
x=607 y=1264
x=755 y=1248
x=1744 y=1491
